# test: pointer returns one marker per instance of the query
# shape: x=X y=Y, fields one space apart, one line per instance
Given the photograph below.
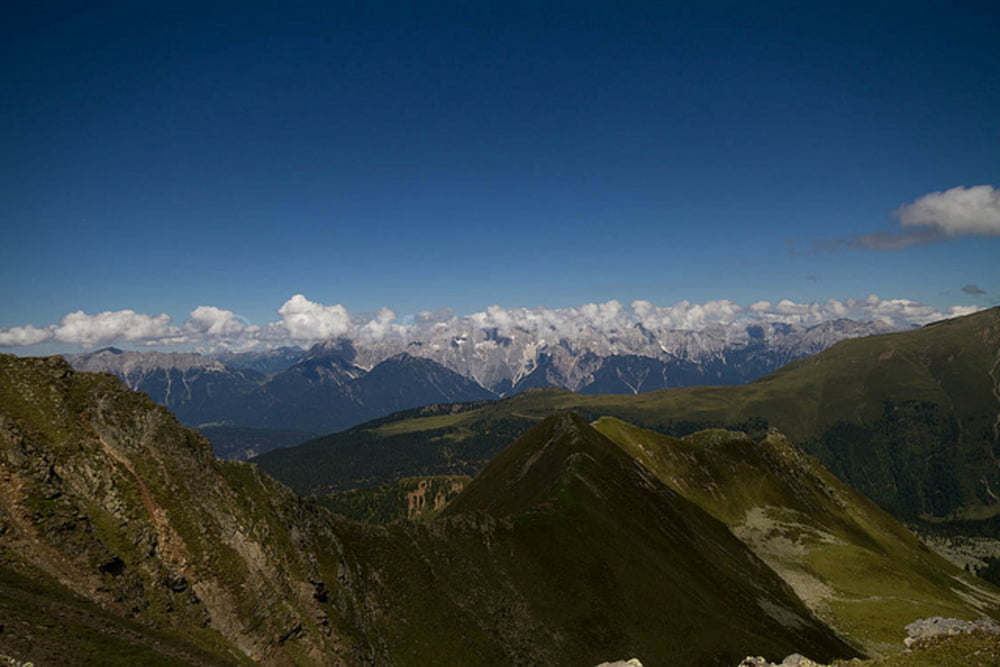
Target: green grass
x=875 y=576
x=977 y=649
x=564 y=551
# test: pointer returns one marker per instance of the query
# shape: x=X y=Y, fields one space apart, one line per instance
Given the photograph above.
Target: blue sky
x=157 y=157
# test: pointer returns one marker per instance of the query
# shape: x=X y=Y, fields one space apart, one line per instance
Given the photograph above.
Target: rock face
x=104 y=494
x=510 y=361
x=794 y=660
x=936 y=626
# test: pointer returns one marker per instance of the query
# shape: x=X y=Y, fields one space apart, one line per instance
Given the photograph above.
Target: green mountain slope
x=434 y=440
x=569 y=551
x=855 y=566
x=413 y=498
x=911 y=419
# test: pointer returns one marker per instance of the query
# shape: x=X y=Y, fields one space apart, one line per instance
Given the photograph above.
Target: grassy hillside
x=855 y=566
x=568 y=551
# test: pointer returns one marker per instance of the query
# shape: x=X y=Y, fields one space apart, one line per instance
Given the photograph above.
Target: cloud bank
x=301 y=321
x=933 y=218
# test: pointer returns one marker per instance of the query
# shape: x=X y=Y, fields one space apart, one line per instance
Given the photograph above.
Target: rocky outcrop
x=7 y=661
x=937 y=626
x=103 y=493
x=793 y=660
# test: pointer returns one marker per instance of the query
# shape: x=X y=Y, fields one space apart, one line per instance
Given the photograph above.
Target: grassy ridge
x=568 y=552
x=858 y=568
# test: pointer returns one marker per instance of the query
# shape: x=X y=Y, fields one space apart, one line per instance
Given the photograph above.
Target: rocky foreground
x=934 y=641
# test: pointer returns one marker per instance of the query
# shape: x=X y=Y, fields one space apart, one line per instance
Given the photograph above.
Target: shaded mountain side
x=326 y=392
x=195 y=388
x=857 y=568
x=105 y=496
x=375 y=454
x=572 y=553
x=238 y=443
x=45 y=623
x=321 y=390
x=911 y=419
x=632 y=374
x=413 y=498
x=267 y=362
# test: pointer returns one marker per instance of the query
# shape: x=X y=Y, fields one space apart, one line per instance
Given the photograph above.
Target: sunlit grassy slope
x=857 y=567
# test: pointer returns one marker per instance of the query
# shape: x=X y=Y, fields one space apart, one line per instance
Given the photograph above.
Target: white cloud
x=961 y=210
x=303 y=321
x=932 y=218
x=381 y=326
x=128 y=325
x=214 y=322
x=307 y=320
x=26 y=335
x=687 y=315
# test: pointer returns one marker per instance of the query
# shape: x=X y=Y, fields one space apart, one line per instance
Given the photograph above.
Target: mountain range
x=322 y=391
x=910 y=419
x=291 y=394
x=123 y=540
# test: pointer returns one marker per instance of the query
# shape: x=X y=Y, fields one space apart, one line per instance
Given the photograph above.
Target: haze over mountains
x=342 y=382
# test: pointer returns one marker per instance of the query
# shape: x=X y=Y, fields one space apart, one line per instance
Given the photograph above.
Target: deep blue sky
x=159 y=156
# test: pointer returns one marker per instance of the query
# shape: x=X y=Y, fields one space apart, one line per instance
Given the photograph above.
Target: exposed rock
x=935 y=626
x=14 y=662
x=631 y=662
x=793 y=660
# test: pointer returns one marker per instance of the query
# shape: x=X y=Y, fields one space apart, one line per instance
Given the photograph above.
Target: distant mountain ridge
x=196 y=388
x=340 y=382
x=320 y=393
x=720 y=354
